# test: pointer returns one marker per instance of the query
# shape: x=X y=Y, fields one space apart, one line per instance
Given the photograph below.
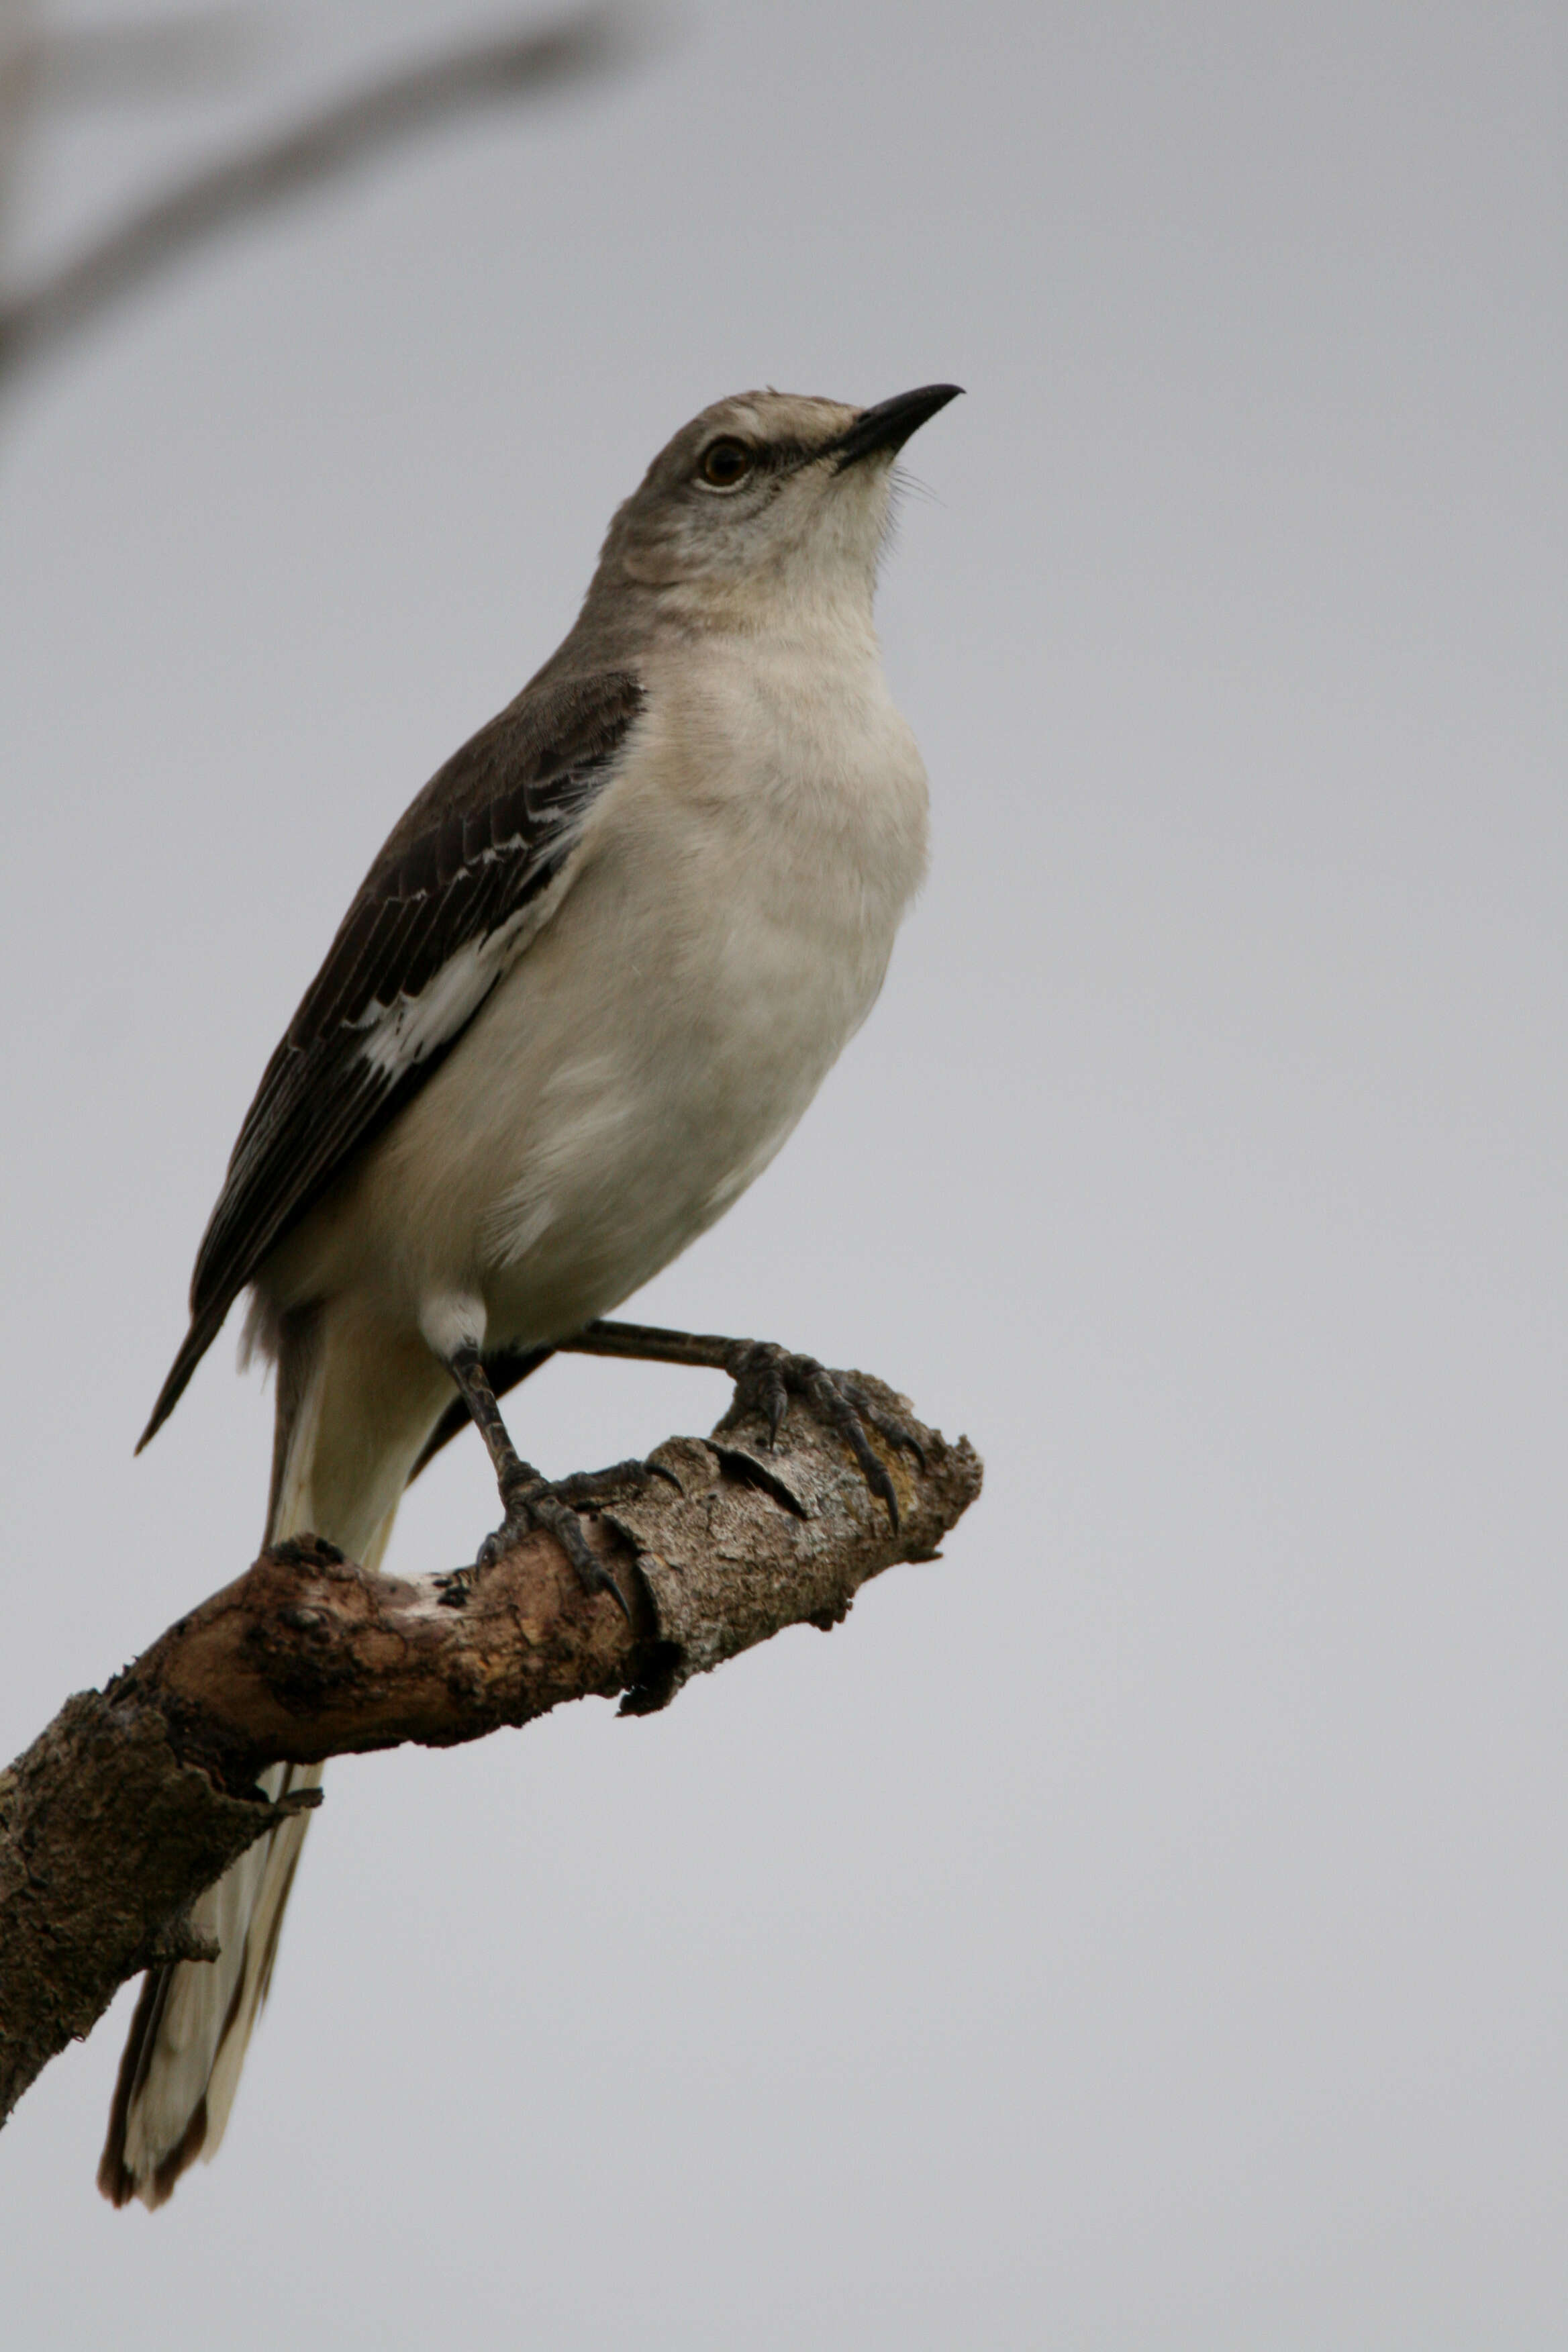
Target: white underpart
x=580 y=1119
x=452 y=1319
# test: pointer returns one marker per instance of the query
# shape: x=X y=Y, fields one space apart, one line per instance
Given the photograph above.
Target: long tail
x=192 y=2023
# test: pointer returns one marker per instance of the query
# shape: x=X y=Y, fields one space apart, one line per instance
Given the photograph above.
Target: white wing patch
x=400 y=1035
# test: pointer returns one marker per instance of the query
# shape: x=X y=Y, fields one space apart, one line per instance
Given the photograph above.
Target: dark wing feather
x=478 y=848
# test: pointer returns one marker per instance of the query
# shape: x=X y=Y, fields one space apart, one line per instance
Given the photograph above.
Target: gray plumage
x=584 y=992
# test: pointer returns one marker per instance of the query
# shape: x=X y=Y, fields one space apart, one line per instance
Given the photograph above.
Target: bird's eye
x=725 y=465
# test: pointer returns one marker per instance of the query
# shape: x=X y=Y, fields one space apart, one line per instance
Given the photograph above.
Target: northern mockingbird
x=584 y=992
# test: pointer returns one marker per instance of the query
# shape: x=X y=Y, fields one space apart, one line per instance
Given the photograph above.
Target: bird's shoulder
x=490 y=827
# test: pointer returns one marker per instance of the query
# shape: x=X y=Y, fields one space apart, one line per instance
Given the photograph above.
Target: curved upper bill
x=890 y=425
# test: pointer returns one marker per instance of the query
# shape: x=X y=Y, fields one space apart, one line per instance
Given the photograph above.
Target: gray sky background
x=1147 y=1926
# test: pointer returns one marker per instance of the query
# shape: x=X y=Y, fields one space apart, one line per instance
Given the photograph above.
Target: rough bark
x=138 y=1797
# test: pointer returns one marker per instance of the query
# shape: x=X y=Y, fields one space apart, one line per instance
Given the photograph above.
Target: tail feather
x=193 y=2019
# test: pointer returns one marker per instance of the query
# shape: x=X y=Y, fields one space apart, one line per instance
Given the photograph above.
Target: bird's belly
x=625 y=1084
x=618 y=1177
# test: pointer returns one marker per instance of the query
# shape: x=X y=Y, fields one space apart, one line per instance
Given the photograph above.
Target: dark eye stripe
x=784 y=457
x=775 y=457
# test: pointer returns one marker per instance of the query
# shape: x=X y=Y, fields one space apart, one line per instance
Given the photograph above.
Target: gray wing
x=435 y=923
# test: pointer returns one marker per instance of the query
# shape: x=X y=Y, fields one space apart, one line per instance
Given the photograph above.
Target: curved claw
x=552 y=1508
x=765 y=1377
x=561 y=1520
x=872 y=1469
x=887 y=1424
x=848 y=1420
x=498 y=1543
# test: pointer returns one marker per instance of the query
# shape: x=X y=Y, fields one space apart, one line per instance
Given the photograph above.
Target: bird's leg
x=766 y=1378
x=529 y=1499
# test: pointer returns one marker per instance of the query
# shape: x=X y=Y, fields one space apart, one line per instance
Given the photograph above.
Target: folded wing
x=466 y=880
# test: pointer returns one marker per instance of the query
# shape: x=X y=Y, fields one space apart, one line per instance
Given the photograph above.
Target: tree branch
x=167 y=226
x=136 y=1798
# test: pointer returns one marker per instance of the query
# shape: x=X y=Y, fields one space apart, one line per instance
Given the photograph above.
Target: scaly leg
x=529 y=1499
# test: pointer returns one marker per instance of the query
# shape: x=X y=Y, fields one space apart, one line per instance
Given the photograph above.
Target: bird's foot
x=766 y=1378
x=555 y=1504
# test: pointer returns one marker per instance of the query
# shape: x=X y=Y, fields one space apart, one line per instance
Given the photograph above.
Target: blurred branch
x=138 y=1797
x=494 y=71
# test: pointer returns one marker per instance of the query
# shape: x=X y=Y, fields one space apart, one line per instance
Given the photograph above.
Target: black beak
x=890 y=425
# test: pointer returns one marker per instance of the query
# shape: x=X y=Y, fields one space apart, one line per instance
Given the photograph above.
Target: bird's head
x=769 y=498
